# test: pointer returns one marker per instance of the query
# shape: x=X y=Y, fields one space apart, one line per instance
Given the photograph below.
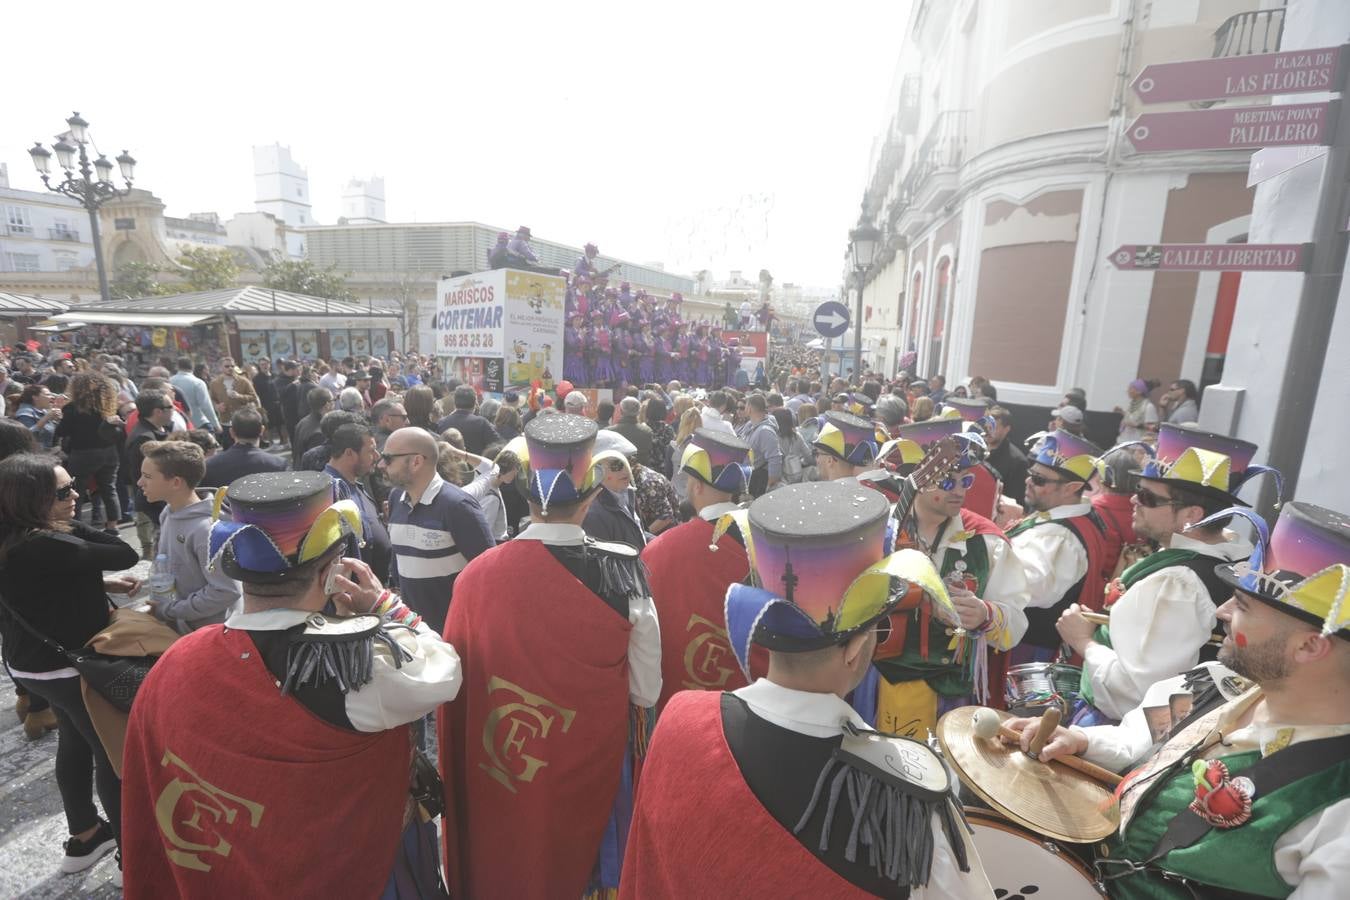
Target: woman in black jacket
x=52 y=576
x=89 y=432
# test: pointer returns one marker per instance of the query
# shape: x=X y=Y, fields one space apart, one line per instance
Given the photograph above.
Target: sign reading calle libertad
x=1291 y=72
x=1212 y=257
x=1234 y=128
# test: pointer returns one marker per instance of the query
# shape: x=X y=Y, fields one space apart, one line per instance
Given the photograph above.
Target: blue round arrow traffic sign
x=830 y=319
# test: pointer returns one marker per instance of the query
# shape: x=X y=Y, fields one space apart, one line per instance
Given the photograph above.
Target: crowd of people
x=650 y=643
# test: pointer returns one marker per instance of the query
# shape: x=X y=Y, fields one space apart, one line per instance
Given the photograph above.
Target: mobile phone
x=330 y=586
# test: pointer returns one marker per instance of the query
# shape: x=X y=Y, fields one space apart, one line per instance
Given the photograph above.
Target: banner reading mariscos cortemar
x=507 y=315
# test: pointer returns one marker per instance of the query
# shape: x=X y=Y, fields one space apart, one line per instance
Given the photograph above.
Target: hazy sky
x=730 y=135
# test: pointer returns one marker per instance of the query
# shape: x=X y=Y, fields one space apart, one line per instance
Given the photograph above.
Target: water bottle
x=161 y=581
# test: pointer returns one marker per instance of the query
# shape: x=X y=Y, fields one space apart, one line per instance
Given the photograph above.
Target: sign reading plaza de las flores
x=1259 y=75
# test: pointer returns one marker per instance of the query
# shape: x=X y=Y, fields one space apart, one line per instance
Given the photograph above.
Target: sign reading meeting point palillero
x=1212 y=257
x=1234 y=128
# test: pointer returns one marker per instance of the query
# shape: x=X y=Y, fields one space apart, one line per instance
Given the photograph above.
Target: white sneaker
x=80 y=855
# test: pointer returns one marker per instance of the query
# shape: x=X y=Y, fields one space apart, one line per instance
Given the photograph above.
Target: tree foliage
x=136 y=279
x=208 y=268
x=300 y=276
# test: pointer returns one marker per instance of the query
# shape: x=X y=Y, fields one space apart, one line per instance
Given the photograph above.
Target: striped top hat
x=281 y=520
x=851 y=438
x=1301 y=568
x=916 y=438
x=717 y=459
x=1068 y=454
x=818 y=558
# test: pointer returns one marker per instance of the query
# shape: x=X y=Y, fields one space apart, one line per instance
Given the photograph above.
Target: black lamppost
x=89 y=183
x=862 y=249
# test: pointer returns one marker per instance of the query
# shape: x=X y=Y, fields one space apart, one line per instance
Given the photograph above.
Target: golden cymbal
x=1050 y=799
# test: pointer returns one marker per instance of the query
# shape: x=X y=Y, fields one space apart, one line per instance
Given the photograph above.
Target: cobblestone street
x=32 y=824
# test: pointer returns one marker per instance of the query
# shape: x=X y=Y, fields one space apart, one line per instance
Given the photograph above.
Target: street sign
x=1212 y=257
x=1268 y=162
x=831 y=319
x=1233 y=128
x=1291 y=72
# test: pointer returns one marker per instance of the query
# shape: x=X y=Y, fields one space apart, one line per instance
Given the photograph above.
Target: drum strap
x=1268 y=775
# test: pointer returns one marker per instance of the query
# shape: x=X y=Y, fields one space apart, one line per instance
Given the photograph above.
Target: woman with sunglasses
x=43 y=546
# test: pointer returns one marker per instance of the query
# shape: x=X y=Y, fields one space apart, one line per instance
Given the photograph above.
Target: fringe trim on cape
x=350 y=663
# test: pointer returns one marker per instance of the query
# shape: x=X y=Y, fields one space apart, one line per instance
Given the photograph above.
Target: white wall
x=37 y=240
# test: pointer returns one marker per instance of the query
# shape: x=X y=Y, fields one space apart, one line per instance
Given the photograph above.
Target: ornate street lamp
x=862 y=249
x=89 y=183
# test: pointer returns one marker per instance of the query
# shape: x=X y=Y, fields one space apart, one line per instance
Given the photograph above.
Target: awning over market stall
x=147 y=318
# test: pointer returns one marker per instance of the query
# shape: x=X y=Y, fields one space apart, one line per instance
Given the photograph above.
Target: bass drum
x=1022 y=865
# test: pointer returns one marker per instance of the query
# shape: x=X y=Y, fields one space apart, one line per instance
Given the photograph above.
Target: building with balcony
x=41 y=231
x=1002 y=179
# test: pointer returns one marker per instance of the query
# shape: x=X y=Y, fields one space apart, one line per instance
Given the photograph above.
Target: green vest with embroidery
x=1136 y=573
x=947 y=676
x=1237 y=859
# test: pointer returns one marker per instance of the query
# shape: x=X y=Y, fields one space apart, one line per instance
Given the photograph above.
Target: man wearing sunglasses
x=1163 y=607
x=1062 y=542
x=928 y=666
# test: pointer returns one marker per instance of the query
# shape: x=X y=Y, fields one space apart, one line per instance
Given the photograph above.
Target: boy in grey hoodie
x=170 y=473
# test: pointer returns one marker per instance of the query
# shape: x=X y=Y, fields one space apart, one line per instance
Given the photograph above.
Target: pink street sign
x=1290 y=72
x=1233 y=128
x=1211 y=257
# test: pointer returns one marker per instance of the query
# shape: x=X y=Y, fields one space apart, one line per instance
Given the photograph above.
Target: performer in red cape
x=1062 y=541
x=691 y=566
x=736 y=793
x=561 y=653
x=287 y=724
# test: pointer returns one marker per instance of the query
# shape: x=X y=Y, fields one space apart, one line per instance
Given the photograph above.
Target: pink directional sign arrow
x=1233 y=128
x=1211 y=257
x=1291 y=72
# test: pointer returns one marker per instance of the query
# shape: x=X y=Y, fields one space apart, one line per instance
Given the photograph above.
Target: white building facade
x=363 y=201
x=1002 y=181
x=41 y=231
x=281 y=188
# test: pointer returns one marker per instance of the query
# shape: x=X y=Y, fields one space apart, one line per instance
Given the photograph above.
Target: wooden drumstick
x=1044 y=729
x=1012 y=736
x=1096 y=618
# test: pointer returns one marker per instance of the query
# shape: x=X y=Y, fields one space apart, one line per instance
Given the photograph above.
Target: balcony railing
x=944 y=147
x=1255 y=31
x=63 y=234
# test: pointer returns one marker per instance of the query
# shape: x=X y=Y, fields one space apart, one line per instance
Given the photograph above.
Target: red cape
x=532 y=748
x=689 y=587
x=983 y=495
x=230 y=789
x=699 y=831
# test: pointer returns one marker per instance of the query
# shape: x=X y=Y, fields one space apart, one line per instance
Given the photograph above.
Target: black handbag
x=115 y=678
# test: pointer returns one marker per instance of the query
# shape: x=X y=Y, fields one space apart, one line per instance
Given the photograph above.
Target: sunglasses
x=949 y=483
x=1150 y=500
x=390 y=457
x=64 y=492
x=1041 y=480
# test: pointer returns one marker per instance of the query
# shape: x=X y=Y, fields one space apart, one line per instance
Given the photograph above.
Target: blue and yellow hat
x=918 y=438
x=1212 y=464
x=853 y=439
x=558 y=460
x=820 y=569
x=1302 y=568
x=717 y=459
x=971 y=409
x=281 y=520
x=1068 y=454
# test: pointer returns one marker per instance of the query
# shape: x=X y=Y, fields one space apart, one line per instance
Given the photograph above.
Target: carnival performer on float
x=574 y=359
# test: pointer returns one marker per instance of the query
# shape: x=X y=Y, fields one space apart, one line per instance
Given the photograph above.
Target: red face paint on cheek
x=1240 y=639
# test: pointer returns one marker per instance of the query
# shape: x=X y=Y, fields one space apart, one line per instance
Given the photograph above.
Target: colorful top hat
x=851 y=438
x=1302 y=568
x=818 y=556
x=717 y=459
x=1211 y=464
x=556 y=453
x=971 y=410
x=914 y=440
x=281 y=520
x=1069 y=455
